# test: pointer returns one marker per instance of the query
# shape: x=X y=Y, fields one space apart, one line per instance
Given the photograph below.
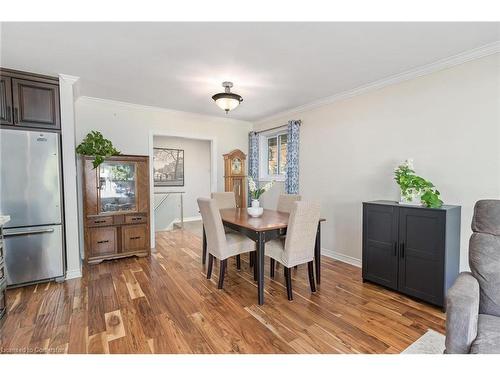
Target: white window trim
x=263 y=175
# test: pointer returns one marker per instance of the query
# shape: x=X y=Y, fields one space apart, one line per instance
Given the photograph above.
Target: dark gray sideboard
x=412 y=249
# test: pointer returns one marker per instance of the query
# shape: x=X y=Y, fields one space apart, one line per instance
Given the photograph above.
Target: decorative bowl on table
x=255 y=211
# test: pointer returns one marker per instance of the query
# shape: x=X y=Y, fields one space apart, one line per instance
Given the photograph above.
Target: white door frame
x=171 y=133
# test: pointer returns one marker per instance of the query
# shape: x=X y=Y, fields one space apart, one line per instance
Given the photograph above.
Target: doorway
x=183 y=168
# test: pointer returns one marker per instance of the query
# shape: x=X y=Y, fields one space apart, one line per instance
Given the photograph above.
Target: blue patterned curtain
x=253 y=158
x=292 y=158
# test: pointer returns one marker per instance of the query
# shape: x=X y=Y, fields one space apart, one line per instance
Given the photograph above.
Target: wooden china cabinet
x=116 y=208
x=235 y=176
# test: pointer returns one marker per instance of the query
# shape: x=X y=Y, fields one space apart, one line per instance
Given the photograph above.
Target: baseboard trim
x=341 y=257
x=191 y=218
x=73 y=274
x=177 y=221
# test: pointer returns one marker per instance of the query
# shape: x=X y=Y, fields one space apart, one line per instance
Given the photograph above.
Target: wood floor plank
x=98 y=344
x=114 y=325
x=170 y=338
x=96 y=322
x=133 y=286
x=165 y=304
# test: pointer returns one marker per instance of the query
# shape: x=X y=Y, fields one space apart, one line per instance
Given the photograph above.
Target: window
x=273 y=155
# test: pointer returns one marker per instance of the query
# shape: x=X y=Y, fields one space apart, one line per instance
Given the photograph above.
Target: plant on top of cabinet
x=94 y=144
x=415 y=189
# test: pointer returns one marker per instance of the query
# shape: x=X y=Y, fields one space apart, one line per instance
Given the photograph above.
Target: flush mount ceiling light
x=227 y=100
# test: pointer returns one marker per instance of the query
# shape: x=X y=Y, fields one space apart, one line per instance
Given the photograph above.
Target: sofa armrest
x=462 y=311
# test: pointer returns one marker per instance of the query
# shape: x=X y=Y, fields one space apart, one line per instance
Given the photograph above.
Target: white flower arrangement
x=407 y=164
x=255 y=192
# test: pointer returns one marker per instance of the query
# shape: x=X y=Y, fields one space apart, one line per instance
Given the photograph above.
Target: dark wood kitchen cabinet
x=6 y=111
x=29 y=100
x=414 y=250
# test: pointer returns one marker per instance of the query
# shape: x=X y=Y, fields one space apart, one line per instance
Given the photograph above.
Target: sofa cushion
x=487 y=217
x=484 y=254
x=484 y=261
x=488 y=335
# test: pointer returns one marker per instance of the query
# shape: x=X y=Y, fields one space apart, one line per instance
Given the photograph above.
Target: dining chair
x=286 y=201
x=285 y=204
x=227 y=199
x=220 y=245
x=298 y=245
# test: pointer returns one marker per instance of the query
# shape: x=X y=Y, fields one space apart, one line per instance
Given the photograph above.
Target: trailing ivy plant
x=94 y=144
x=412 y=185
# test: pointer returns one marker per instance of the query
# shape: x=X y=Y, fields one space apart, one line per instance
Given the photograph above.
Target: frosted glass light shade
x=227 y=104
x=227 y=100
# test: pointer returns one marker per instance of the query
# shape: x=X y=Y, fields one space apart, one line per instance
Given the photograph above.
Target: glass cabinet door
x=117 y=187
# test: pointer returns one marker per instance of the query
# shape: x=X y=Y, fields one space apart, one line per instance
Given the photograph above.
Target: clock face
x=236 y=166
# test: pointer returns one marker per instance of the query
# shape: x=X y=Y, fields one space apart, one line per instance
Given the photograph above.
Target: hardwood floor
x=164 y=304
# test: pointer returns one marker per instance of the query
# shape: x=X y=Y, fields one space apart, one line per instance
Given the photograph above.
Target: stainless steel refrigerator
x=30 y=192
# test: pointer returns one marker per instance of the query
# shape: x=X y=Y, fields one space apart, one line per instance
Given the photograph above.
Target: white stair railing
x=164 y=195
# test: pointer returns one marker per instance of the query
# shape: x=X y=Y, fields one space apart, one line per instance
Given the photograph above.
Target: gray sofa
x=473 y=302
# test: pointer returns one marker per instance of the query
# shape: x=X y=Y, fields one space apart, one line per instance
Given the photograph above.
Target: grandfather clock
x=235 y=176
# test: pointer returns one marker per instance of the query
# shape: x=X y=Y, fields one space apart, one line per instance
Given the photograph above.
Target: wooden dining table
x=271 y=225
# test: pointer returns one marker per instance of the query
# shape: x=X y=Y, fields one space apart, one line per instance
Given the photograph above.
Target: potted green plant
x=415 y=190
x=94 y=144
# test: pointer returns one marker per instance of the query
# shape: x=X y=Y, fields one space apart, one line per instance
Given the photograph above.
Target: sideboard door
x=380 y=244
x=421 y=253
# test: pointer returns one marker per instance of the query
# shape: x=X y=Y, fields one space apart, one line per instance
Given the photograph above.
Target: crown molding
x=68 y=78
x=148 y=108
x=461 y=58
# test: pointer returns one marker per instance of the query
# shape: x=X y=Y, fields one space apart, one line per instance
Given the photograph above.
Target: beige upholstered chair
x=286 y=201
x=285 y=204
x=220 y=245
x=225 y=199
x=298 y=246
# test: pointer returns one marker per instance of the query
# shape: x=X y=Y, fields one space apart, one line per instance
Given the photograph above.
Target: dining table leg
x=317 y=254
x=204 y=246
x=259 y=263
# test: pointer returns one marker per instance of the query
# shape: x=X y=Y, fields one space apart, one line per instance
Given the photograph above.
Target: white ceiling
x=274 y=66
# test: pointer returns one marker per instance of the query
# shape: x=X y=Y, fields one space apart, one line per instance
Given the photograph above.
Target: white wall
x=196 y=180
x=448 y=121
x=129 y=127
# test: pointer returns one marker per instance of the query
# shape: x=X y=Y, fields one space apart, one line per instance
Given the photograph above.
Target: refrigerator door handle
x=21 y=233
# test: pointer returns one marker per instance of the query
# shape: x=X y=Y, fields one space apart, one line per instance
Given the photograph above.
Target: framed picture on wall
x=168 y=167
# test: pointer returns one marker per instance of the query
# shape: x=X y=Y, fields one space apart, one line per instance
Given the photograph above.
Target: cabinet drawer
x=134 y=237
x=102 y=241
x=99 y=221
x=135 y=219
